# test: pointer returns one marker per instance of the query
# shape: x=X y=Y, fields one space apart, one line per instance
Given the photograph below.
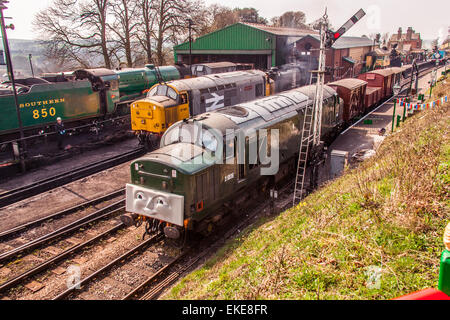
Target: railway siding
x=64 y=197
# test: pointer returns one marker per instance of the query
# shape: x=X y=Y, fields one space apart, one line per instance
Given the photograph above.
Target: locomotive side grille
x=171 y=115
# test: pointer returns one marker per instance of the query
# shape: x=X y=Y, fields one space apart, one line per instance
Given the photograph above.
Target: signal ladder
x=306 y=139
x=311 y=123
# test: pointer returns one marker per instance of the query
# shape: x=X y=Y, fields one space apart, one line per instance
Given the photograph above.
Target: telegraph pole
x=31 y=64
x=191 y=23
x=9 y=66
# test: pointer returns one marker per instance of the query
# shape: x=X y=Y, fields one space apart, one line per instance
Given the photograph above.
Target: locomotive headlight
x=143 y=121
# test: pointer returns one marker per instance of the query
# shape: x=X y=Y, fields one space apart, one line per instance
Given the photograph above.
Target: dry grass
x=388 y=214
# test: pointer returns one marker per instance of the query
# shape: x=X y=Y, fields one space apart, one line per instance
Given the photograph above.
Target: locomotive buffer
x=311 y=150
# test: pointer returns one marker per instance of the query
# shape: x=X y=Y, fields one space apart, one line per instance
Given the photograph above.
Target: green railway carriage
x=134 y=82
x=183 y=185
x=94 y=93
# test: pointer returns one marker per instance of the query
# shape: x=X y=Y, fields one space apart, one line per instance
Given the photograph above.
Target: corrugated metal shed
x=242 y=39
x=237 y=38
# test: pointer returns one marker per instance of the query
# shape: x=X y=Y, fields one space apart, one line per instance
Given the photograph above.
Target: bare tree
x=291 y=19
x=93 y=17
x=145 y=27
x=215 y=17
x=171 y=22
x=75 y=31
x=123 y=27
x=250 y=15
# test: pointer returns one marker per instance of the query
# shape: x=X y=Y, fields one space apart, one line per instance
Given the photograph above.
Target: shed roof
x=344 y=42
x=351 y=42
x=281 y=31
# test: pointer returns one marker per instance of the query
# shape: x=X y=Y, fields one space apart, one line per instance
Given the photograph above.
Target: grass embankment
x=389 y=213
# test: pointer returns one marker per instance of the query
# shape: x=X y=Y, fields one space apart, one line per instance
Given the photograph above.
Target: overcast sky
x=430 y=18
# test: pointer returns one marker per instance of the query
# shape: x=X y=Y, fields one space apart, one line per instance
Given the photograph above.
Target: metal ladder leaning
x=306 y=139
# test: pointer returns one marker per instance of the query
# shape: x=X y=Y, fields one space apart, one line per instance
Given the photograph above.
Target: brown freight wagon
x=353 y=92
x=373 y=95
x=381 y=78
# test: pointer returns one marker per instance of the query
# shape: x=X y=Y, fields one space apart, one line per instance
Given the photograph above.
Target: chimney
x=409 y=33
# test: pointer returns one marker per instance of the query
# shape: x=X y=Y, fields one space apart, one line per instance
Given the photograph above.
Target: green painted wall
x=232 y=38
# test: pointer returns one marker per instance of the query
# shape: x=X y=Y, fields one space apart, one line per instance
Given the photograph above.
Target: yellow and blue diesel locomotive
x=167 y=103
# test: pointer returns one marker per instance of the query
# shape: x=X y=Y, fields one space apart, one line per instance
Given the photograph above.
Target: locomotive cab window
x=114 y=85
x=183 y=98
x=163 y=90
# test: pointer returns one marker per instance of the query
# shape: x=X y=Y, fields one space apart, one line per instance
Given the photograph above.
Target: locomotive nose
x=155 y=204
x=151 y=204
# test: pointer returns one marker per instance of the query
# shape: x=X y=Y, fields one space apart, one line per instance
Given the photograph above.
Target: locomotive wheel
x=181 y=242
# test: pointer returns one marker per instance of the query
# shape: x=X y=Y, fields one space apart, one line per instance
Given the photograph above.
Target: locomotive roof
x=100 y=72
x=383 y=72
x=214 y=79
x=273 y=107
x=163 y=100
x=212 y=120
x=310 y=91
x=180 y=156
x=349 y=83
x=254 y=115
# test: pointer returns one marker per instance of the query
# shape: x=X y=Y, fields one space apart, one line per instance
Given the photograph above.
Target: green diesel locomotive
x=206 y=166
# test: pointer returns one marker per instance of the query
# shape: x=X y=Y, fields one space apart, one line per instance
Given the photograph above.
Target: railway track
x=127 y=255
x=24 y=227
x=154 y=285
x=106 y=212
x=58 y=258
x=18 y=194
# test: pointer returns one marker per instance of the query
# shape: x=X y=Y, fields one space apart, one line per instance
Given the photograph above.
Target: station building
x=346 y=58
